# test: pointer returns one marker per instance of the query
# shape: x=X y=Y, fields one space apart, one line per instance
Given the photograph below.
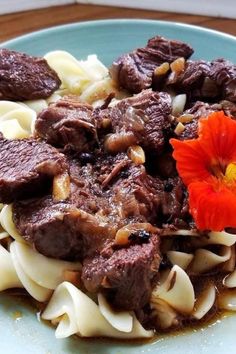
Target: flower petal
x=212 y=205
x=217 y=135
x=191 y=160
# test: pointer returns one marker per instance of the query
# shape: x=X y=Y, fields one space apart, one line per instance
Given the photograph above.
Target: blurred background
x=22 y=16
x=203 y=7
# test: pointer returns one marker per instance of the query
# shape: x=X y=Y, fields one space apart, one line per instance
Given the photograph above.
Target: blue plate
x=108 y=39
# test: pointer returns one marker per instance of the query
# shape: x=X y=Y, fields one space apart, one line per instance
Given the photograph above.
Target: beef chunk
x=138 y=195
x=58 y=229
x=134 y=71
x=126 y=276
x=223 y=73
x=25 y=167
x=49 y=226
x=67 y=123
x=174 y=203
x=205 y=80
x=199 y=110
x=143 y=119
x=103 y=198
x=192 y=80
x=23 y=77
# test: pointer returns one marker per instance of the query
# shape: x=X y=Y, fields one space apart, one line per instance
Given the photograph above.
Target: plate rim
x=107 y=22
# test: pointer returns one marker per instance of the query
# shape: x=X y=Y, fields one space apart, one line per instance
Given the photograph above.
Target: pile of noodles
x=196 y=281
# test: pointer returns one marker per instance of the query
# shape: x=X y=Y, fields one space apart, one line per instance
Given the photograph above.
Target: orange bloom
x=207 y=166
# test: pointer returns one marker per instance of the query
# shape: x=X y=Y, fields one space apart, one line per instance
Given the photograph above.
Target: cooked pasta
x=88 y=78
x=16 y=121
x=9 y=277
x=73 y=200
x=76 y=313
x=176 y=290
x=7 y=223
x=39 y=275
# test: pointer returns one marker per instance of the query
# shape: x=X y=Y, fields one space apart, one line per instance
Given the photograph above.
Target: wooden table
x=16 y=24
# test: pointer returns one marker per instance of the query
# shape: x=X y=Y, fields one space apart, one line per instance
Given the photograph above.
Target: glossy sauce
x=20 y=297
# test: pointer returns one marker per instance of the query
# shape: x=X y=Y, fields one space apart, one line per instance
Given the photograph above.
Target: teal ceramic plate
x=108 y=39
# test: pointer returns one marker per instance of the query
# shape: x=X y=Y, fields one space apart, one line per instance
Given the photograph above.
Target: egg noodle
x=68 y=307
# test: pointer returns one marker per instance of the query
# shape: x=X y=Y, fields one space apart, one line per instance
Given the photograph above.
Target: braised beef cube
x=143 y=119
x=198 y=110
x=223 y=73
x=191 y=79
x=173 y=200
x=126 y=276
x=203 y=80
x=134 y=71
x=68 y=123
x=23 y=77
x=59 y=230
x=26 y=165
x=138 y=195
x=47 y=225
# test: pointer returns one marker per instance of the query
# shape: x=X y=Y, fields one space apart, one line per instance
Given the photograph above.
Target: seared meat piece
x=26 y=165
x=23 y=77
x=104 y=197
x=143 y=119
x=49 y=226
x=223 y=73
x=174 y=204
x=205 y=80
x=59 y=230
x=126 y=276
x=138 y=195
x=134 y=71
x=192 y=80
x=199 y=110
x=67 y=123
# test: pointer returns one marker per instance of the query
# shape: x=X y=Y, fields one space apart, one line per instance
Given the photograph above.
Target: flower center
x=230 y=173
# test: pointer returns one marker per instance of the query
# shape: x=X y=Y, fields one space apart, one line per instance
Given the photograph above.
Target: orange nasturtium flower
x=207 y=166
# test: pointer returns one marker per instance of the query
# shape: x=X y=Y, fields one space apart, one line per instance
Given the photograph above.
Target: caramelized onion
x=177 y=66
x=120 y=141
x=136 y=154
x=185 y=118
x=61 y=187
x=123 y=234
x=179 y=128
x=162 y=69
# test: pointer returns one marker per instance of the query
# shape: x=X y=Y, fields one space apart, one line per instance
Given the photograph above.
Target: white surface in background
x=7 y=6
x=219 y=8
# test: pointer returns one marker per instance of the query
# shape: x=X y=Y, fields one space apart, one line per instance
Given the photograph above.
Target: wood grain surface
x=23 y=22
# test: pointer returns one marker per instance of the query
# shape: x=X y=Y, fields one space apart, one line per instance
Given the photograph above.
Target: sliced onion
x=136 y=154
x=61 y=187
x=178 y=104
